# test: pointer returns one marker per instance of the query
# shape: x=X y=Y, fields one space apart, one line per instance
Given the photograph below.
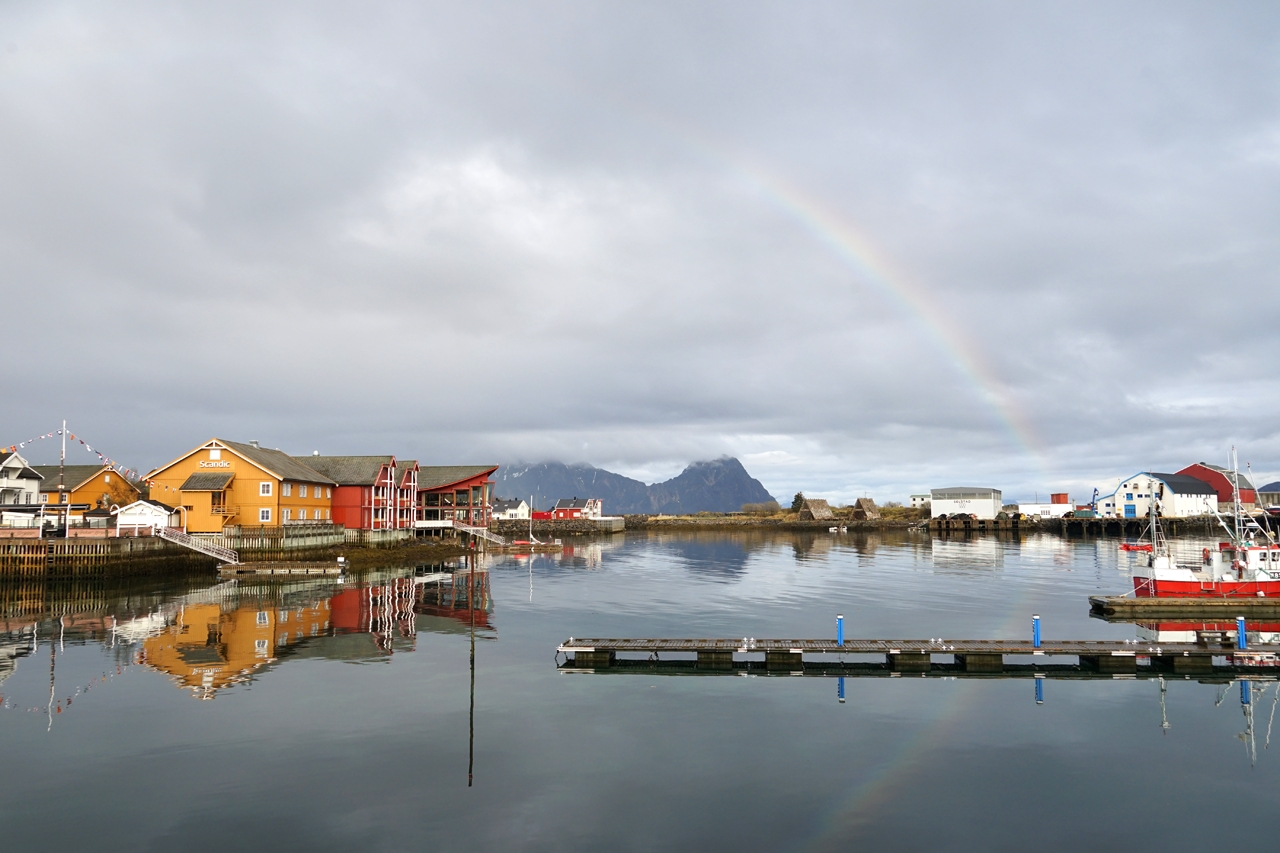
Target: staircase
x=176 y=536
x=482 y=532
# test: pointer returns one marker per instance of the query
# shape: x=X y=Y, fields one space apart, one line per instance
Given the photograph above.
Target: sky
x=867 y=248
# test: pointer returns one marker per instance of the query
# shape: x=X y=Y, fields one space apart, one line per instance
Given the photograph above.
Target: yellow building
x=223 y=483
x=92 y=486
x=209 y=648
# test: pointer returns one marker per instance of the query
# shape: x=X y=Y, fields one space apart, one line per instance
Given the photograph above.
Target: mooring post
x=840 y=689
x=1242 y=638
x=840 y=632
x=1039 y=689
x=1246 y=694
x=1035 y=630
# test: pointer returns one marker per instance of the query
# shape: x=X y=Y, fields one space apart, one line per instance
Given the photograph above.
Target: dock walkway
x=917 y=655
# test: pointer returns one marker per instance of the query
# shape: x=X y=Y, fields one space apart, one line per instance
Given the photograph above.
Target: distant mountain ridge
x=717 y=485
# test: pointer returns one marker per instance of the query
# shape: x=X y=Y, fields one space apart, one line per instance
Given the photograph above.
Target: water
x=290 y=725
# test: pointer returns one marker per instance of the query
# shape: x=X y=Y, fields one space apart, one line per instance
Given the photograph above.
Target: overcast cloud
x=528 y=231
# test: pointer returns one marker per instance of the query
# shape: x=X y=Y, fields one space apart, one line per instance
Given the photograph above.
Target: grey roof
x=205 y=482
x=73 y=476
x=403 y=467
x=964 y=492
x=348 y=470
x=1185 y=484
x=27 y=472
x=504 y=504
x=278 y=462
x=572 y=503
x=1242 y=483
x=439 y=476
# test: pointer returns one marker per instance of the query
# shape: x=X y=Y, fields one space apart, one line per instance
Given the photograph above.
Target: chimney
x=253 y=441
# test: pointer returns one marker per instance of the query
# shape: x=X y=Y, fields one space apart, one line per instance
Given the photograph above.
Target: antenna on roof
x=253 y=442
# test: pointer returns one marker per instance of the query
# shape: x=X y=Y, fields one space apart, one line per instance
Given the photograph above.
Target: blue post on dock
x=1035 y=630
x=840 y=689
x=840 y=634
x=1246 y=693
x=1039 y=689
x=1242 y=638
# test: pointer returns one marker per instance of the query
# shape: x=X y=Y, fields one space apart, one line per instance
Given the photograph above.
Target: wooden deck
x=280 y=567
x=1184 y=608
x=918 y=655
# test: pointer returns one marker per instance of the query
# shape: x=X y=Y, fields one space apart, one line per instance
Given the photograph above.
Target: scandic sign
x=223 y=464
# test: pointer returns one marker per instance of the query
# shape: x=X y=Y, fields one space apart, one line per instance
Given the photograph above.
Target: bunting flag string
x=106 y=460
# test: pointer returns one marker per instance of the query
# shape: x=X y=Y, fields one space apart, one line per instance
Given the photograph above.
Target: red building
x=455 y=493
x=368 y=493
x=407 y=497
x=577 y=508
x=1220 y=480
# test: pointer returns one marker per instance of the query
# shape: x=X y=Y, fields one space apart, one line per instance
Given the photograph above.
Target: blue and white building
x=1176 y=496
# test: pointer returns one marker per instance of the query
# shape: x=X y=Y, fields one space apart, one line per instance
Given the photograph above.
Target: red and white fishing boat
x=1246 y=566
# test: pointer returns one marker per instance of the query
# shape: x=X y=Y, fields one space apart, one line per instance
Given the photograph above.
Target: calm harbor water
x=324 y=716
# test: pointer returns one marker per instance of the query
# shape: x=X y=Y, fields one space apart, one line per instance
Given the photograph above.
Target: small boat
x=1135 y=546
x=1247 y=565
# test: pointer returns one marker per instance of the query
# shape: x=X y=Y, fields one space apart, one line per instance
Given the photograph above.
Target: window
x=260 y=647
x=288 y=514
x=44 y=498
x=326 y=513
x=214 y=454
x=264 y=515
x=302 y=515
x=287 y=489
x=328 y=493
x=263 y=617
x=282 y=616
x=264 y=489
x=302 y=490
x=106 y=478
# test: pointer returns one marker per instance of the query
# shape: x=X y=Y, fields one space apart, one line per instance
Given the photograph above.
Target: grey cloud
x=522 y=231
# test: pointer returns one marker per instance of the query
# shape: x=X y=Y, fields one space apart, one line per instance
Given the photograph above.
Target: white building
x=19 y=484
x=971 y=500
x=1049 y=510
x=1176 y=496
x=919 y=501
x=146 y=515
x=511 y=510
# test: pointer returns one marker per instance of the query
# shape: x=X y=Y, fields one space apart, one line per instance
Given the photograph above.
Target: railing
x=441 y=524
x=176 y=536
x=222 y=509
x=482 y=532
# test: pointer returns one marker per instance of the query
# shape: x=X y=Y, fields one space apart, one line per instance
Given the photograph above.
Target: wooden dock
x=1183 y=608
x=280 y=567
x=1104 y=656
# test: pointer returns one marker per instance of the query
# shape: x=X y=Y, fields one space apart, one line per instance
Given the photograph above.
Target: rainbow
x=873 y=267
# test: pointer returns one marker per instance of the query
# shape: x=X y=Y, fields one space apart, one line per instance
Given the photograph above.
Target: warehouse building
x=969 y=500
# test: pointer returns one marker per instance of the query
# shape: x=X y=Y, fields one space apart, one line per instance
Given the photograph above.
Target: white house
x=146 y=515
x=1176 y=496
x=19 y=484
x=511 y=510
x=972 y=500
x=919 y=501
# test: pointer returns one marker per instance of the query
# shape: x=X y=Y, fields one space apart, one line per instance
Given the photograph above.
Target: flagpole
x=62 y=464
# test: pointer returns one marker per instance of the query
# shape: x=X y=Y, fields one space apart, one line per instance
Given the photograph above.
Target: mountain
x=719 y=485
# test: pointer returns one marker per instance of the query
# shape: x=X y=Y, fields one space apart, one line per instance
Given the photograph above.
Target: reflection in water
x=231 y=632
x=973 y=552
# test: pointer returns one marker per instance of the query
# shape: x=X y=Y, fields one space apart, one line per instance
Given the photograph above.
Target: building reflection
x=235 y=631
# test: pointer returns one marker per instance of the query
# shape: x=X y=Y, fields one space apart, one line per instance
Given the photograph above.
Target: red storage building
x=1220 y=480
